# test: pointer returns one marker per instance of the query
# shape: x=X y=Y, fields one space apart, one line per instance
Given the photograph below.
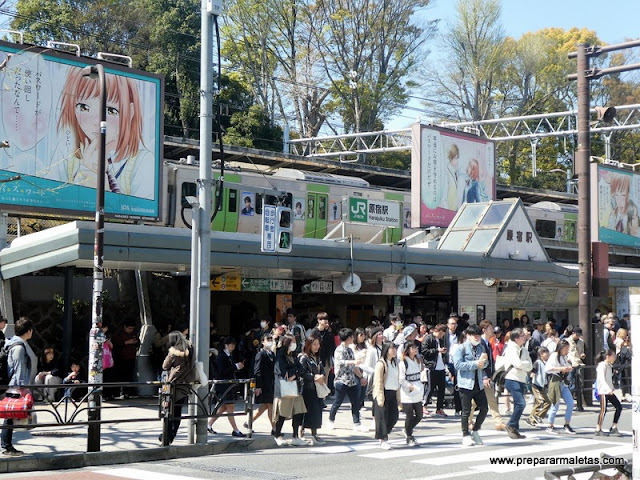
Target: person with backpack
x=411 y=390
x=558 y=369
x=17 y=357
x=539 y=382
x=470 y=359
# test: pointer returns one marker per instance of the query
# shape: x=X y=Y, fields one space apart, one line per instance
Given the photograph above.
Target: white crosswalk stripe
x=138 y=474
x=447 y=450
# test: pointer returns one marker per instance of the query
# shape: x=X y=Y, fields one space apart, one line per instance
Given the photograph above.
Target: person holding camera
x=558 y=369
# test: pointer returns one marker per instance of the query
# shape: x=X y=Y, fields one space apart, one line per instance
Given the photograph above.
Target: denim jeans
x=7 y=434
x=517 y=391
x=568 y=400
x=342 y=391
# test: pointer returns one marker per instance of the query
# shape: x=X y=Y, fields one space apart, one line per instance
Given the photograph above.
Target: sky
x=614 y=21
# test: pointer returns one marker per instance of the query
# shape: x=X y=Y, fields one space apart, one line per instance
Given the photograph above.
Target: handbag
x=288 y=388
x=107 y=356
x=16 y=404
x=322 y=390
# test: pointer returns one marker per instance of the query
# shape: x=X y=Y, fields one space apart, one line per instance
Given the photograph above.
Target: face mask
x=269 y=345
x=263 y=325
x=474 y=342
x=292 y=347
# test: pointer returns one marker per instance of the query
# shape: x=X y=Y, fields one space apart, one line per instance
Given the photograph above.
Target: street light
x=96 y=336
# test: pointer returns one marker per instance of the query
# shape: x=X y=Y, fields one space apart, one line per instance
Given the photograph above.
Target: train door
x=317 y=213
x=227 y=218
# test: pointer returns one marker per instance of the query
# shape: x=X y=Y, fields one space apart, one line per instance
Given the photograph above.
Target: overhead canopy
x=168 y=250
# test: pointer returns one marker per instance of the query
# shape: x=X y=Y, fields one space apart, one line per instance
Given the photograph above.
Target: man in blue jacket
x=470 y=360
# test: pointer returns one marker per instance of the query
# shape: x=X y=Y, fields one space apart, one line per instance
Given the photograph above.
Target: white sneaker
x=298 y=442
x=358 y=427
x=330 y=425
x=476 y=438
x=385 y=445
x=279 y=441
x=467 y=441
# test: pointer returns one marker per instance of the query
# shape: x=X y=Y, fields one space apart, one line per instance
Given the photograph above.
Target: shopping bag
x=322 y=390
x=288 y=389
x=16 y=404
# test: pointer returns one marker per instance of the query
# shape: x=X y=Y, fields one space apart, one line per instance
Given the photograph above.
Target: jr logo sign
x=358 y=209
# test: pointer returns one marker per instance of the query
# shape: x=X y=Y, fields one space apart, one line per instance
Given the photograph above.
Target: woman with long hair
x=288 y=369
x=49 y=374
x=411 y=391
x=558 y=368
x=359 y=347
x=180 y=365
x=604 y=387
x=310 y=361
x=386 y=382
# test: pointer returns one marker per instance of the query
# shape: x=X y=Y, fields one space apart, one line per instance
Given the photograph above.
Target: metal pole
x=634 y=318
x=569 y=178
x=585 y=291
x=193 y=309
x=96 y=336
x=67 y=316
x=607 y=145
x=204 y=196
x=534 y=157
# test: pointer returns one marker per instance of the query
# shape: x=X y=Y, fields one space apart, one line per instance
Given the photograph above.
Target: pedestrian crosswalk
x=446 y=451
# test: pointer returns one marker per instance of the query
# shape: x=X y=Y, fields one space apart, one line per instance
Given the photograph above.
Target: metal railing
x=68 y=408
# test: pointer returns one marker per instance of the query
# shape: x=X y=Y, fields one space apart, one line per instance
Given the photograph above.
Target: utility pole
x=200 y=311
x=96 y=335
x=583 y=156
x=585 y=287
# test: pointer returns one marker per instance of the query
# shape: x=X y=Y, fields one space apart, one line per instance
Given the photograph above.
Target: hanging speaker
x=405 y=284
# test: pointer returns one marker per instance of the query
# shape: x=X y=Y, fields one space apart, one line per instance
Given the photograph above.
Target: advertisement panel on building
x=618 y=201
x=448 y=168
x=49 y=115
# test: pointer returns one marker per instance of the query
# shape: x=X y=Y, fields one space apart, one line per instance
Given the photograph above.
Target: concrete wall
x=472 y=293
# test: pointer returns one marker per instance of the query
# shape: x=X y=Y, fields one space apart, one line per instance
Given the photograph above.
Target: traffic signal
x=284 y=234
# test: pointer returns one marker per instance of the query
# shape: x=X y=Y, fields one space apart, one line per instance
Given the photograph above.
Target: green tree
x=369 y=49
x=474 y=49
x=252 y=129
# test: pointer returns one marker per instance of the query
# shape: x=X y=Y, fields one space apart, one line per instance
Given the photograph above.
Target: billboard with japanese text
x=617 y=205
x=49 y=115
x=448 y=168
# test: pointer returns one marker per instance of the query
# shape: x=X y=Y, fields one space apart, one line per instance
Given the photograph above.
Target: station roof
x=162 y=249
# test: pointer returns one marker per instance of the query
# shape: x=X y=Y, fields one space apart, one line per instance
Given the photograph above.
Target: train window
x=322 y=208
x=311 y=207
x=288 y=200
x=570 y=231
x=218 y=200
x=258 y=208
x=546 y=228
x=188 y=190
x=233 y=200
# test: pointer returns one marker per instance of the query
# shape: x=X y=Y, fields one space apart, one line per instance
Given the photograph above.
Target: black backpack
x=4 y=362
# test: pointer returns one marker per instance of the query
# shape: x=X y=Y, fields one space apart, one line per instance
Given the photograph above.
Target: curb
x=81 y=460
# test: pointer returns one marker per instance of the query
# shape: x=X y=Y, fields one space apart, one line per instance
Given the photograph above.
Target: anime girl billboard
x=618 y=203
x=59 y=160
x=448 y=169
